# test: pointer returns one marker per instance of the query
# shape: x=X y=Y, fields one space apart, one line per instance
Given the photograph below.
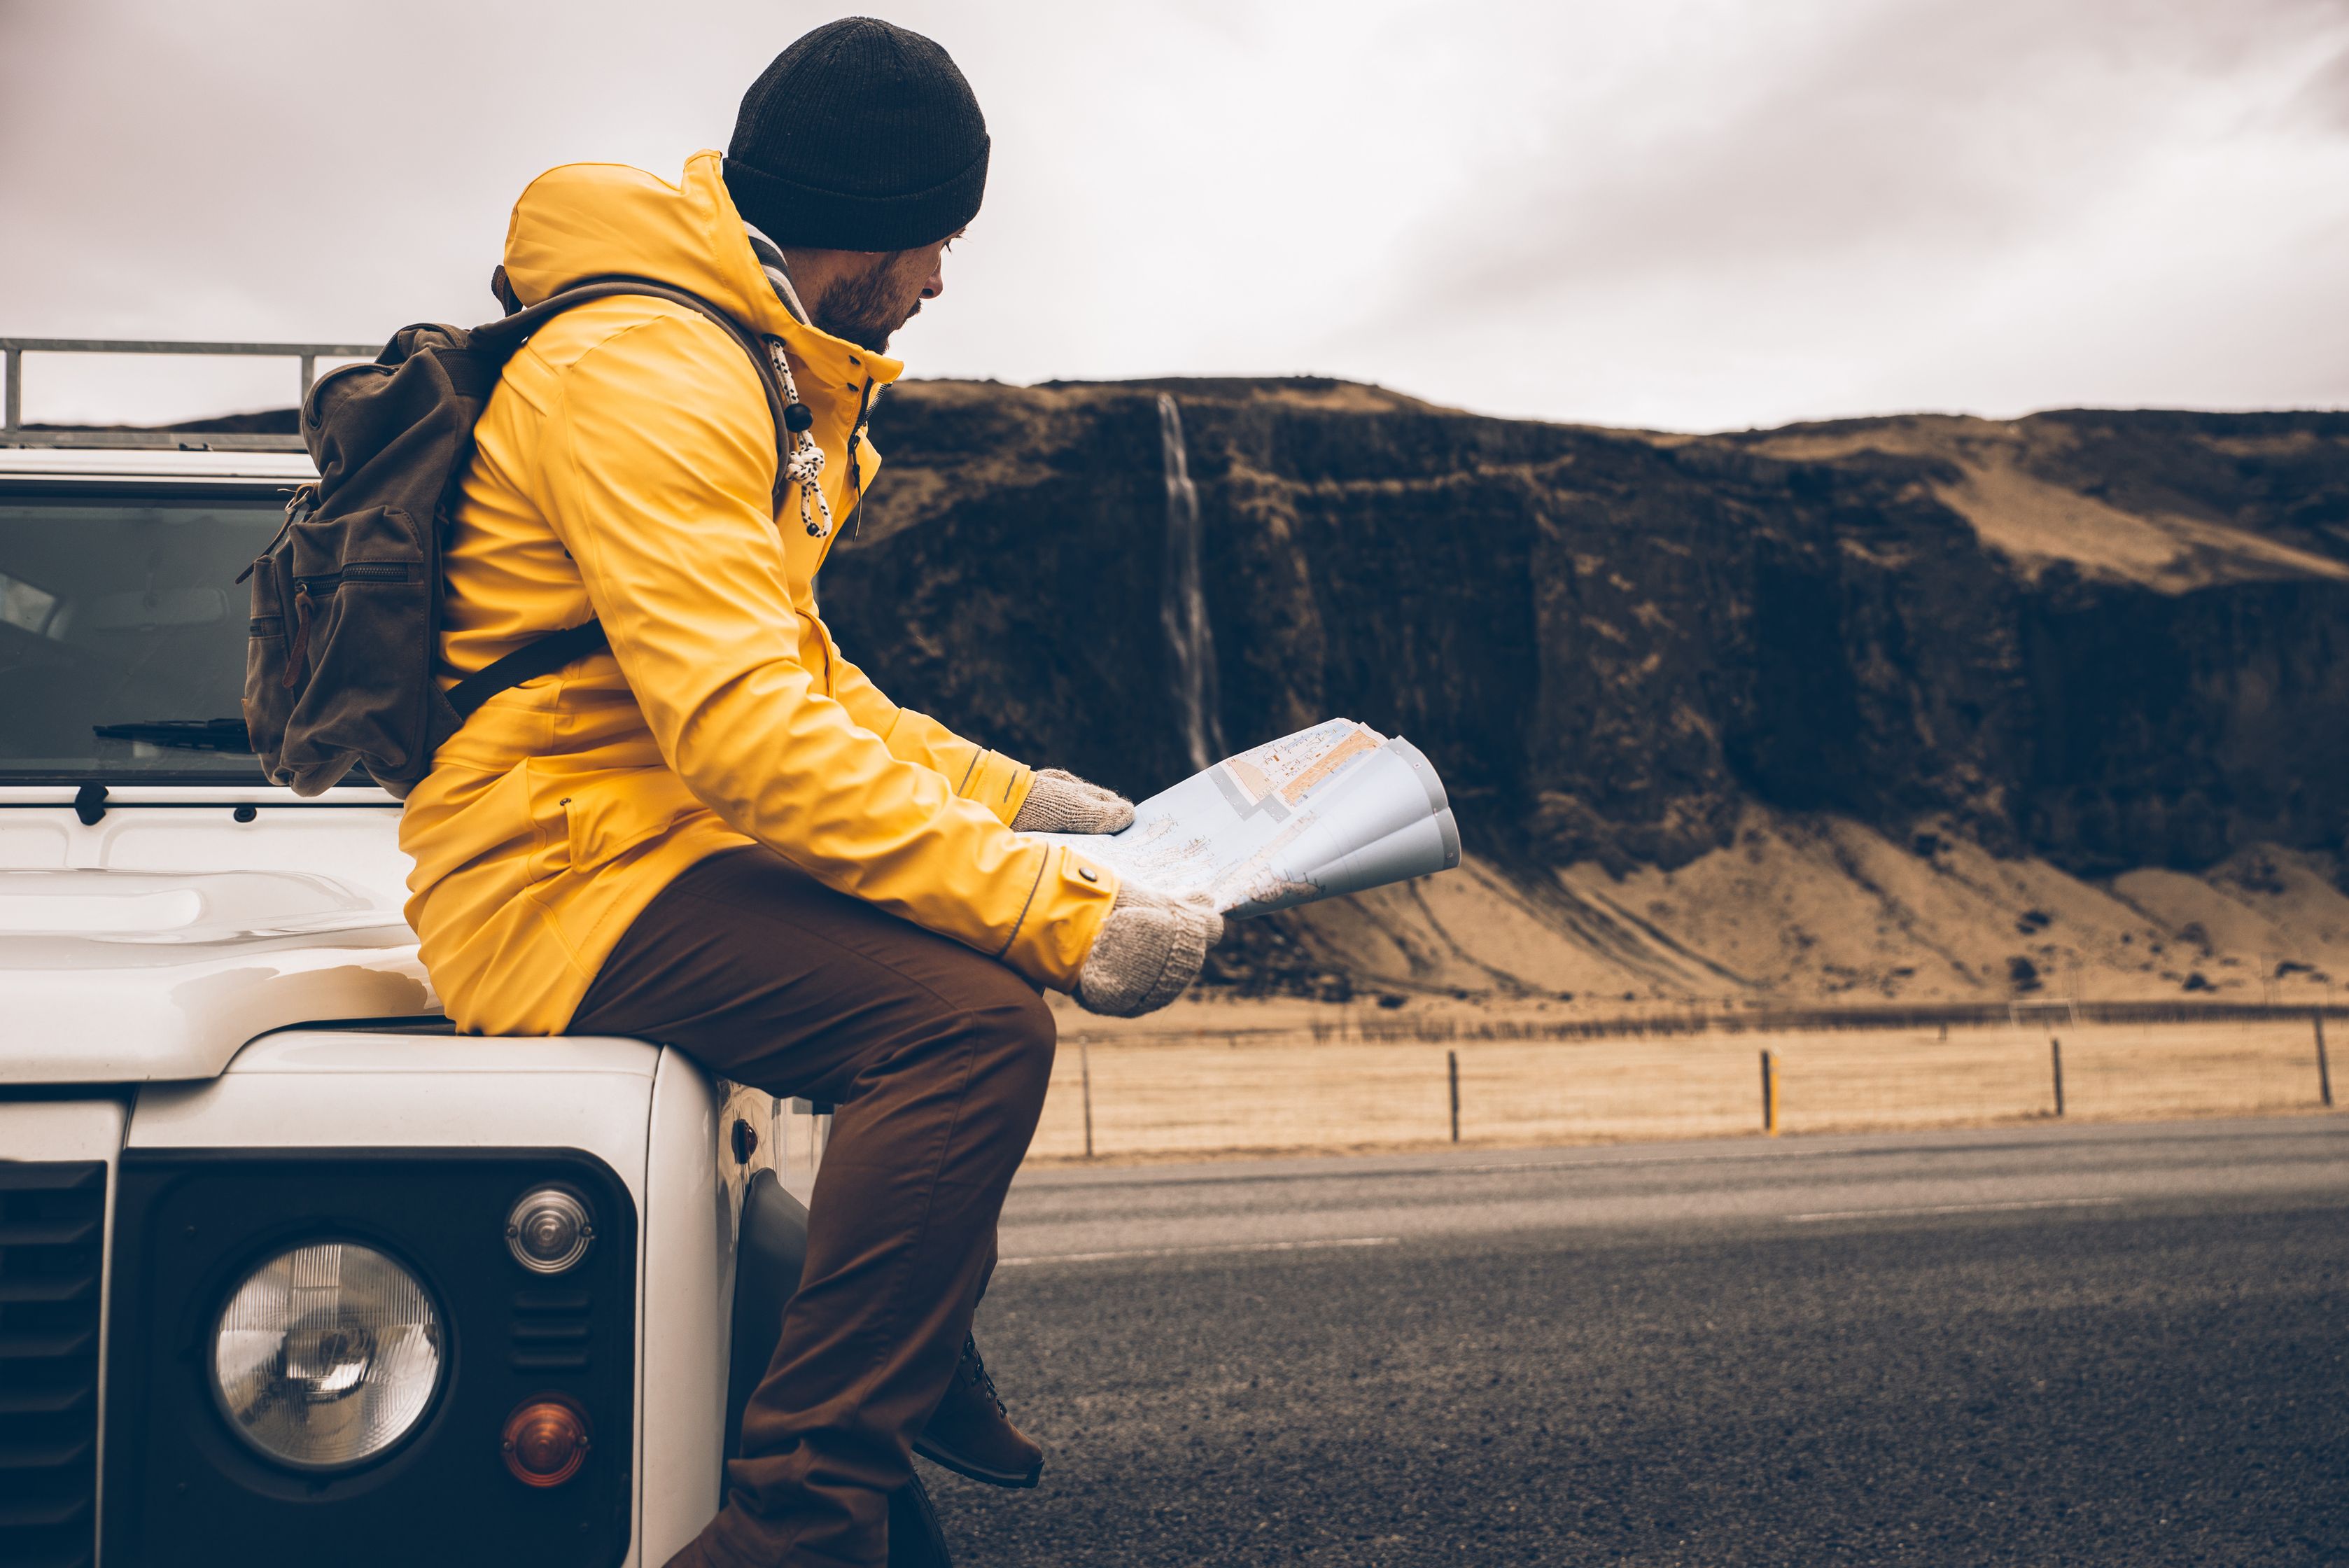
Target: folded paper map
x=1333 y=809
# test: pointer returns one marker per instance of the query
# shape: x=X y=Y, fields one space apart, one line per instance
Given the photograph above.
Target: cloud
x=1958 y=124
x=1684 y=212
x=1792 y=215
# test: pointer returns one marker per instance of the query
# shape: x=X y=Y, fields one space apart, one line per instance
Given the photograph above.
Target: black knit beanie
x=860 y=137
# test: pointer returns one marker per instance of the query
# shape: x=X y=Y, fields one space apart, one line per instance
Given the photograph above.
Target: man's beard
x=865 y=311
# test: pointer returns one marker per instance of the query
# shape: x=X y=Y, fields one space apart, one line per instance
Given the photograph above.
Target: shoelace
x=979 y=1376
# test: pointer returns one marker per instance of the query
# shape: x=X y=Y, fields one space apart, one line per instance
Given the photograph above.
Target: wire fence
x=1362 y=1088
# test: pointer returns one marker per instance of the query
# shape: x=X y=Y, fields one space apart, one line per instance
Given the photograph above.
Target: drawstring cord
x=803 y=465
x=803 y=460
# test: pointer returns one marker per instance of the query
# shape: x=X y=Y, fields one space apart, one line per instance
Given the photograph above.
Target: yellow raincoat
x=624 y=469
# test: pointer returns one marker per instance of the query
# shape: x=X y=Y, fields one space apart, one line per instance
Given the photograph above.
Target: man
x=721 y=835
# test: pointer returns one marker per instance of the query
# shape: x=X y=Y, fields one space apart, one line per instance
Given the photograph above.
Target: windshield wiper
x=188 y=734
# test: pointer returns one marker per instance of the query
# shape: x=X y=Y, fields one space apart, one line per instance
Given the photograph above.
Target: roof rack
x=14 y=433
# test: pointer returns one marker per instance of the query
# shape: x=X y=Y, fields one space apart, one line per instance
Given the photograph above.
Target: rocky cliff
x=2073 y=650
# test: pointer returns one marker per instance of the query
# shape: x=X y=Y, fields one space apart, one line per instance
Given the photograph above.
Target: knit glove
x=1148 y=950
x=1063 y=803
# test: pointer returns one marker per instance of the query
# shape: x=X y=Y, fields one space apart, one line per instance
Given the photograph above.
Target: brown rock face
x=2107 y=640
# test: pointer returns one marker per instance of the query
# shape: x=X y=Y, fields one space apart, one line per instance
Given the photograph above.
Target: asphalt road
x=2117 y=1345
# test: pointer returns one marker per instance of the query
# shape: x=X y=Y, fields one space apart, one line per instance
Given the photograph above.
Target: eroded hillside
x=1920 y=706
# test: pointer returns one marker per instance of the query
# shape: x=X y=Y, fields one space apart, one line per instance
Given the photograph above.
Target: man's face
x=866 y=307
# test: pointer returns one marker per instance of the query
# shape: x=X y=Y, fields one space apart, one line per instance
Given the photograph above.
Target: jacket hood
x=593 y=220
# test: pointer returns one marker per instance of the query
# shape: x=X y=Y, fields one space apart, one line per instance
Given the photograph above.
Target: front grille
x=52 y=1248
x=552 y=1327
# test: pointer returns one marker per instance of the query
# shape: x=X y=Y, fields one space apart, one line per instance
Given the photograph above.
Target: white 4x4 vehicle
x=288 y=1272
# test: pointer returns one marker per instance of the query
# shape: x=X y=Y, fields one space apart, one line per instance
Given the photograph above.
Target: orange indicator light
x=546 y=1441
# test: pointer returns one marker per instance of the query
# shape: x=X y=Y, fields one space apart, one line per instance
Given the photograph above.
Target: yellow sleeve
x=997 y=782
x=656 y=472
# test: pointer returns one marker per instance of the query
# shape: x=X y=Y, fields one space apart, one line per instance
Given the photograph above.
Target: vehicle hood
x=126 y=976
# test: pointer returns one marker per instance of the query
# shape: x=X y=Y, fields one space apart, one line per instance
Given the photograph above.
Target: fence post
x=2055 y=1054
x=2323 y=1067
x=1452 y=1071
x=1085 y=1068
x=1769 y=1095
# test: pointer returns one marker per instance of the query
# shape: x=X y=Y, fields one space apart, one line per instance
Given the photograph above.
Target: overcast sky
x=1687 y=214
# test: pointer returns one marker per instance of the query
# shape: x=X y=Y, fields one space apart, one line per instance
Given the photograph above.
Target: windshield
x=122 y=612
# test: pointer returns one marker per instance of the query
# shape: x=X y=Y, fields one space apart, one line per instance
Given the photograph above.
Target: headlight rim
x=259 y=1258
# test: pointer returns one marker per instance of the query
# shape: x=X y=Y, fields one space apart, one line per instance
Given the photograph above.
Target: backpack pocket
x=269 y=681
x=355 y=614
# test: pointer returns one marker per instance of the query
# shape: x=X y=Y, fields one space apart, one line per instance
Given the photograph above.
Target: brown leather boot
x=971 y=1434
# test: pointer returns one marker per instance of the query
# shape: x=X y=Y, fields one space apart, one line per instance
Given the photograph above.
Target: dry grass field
x=1281 y=1089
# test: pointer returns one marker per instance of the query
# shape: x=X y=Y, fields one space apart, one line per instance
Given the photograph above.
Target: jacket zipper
x=855 y=440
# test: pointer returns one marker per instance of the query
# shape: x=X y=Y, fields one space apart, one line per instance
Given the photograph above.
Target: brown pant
x=937 y=1057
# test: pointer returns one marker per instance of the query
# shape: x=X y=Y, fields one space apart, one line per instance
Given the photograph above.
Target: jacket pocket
x=604 y=823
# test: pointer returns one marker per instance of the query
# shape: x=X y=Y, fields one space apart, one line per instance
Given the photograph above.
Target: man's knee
x=1016 y=1034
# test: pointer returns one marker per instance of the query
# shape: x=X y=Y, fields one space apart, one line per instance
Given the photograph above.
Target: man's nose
x=937 y=285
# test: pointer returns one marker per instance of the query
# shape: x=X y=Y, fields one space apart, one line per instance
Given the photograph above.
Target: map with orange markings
x=1334 y=808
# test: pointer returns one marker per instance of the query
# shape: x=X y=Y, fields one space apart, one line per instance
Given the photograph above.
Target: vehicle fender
x=770 y=1251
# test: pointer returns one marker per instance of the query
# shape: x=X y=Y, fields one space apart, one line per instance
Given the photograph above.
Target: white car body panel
x=688 y=1243
x=179 y=467
x=154 y=943
x=325 y=1089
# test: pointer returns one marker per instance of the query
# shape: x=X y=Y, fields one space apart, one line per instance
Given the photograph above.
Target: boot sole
x=1015 y=1480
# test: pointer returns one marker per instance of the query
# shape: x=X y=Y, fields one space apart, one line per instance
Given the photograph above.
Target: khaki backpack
x=346 y=628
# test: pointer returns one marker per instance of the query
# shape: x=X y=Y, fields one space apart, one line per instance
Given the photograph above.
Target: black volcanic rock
x=2112 y=639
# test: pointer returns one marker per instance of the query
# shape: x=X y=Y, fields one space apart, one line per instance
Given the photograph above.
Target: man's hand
x=1062 y=803
x=1149 y=949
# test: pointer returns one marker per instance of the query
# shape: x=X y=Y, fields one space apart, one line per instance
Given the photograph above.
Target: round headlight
x=327 y=1354
x=548 y=1230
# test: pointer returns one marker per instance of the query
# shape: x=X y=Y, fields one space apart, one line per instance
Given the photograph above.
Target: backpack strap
x=503 y=337
x=528 y=662
x=553 y=651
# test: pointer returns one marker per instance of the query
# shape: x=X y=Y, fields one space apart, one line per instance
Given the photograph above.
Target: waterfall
x=1182 y=606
